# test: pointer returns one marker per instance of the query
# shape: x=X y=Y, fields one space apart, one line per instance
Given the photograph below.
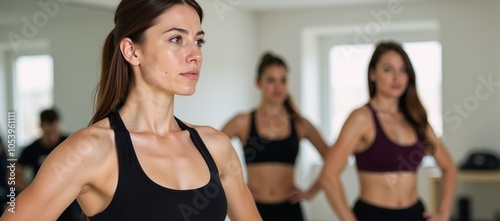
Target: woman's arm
x=235 y=126
x=63 y=174
x=297 y=195
x=313 y=135
x=336 y=160
x=241 y=205
x=20 y=183
x=448 y=180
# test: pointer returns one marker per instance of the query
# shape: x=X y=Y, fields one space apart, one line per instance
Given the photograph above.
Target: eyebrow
x=184 y=31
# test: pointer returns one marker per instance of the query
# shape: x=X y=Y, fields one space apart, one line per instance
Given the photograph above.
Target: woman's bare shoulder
x=216 y=141
x=92 y=141
x=241 y=119
x=209 y=134
x=360 y=116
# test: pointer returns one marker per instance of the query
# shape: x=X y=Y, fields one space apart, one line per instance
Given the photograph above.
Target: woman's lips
x=192 y=74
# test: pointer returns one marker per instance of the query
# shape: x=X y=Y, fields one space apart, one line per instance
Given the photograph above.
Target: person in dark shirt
x=33 y=156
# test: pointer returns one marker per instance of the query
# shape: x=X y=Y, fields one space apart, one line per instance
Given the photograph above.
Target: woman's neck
x=271 y=109
x=149 y=112
x=388 y=105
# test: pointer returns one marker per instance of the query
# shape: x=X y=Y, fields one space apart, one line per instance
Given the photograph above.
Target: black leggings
x=365 y=211
x=284 y=211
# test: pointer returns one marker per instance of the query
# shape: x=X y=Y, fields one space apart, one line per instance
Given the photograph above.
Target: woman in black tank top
x=136 y=161
x=270 y=136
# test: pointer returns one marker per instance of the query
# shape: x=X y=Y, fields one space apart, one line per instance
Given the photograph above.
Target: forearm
x=335 y=195
x=448 y=185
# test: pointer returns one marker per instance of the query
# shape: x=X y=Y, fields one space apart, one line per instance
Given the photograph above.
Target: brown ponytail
x=115 y=80
x=290 y=107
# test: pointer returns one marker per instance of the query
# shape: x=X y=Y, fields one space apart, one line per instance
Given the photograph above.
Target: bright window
x=33 y=92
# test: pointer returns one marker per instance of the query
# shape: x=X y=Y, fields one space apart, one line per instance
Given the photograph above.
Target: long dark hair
x=409 y=103
x=267 y=60
x=132 y=18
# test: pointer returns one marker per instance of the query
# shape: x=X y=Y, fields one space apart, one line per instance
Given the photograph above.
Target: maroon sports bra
x=386 y=156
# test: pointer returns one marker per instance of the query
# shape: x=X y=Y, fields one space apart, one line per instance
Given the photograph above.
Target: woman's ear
x=129 y=51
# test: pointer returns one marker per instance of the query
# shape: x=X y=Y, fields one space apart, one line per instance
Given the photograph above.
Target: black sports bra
x=258 y=149
x=137 y=197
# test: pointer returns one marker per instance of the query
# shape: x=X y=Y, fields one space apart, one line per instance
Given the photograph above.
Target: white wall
x=74 y=44
x=76 y=54
x=468 y=33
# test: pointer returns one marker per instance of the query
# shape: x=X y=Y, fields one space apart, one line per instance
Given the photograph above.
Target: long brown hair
x=409 y=103
x=267 y=60
x=132 y=19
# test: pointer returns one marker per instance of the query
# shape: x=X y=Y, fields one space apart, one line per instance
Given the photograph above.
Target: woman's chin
x=187 y=91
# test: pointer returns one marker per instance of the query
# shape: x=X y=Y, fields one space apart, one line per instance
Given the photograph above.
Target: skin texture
x=272 y=182
x=389 y=189
x=85 y=166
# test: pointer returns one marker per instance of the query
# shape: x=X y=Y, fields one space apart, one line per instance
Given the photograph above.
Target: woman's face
x=170 y=57
x=273 y=84
x=390 y=75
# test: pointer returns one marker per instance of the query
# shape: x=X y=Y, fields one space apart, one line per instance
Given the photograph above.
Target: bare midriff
x=392 y=190
x=270 y=182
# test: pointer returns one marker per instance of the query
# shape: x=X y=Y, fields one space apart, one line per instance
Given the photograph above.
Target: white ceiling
x=12 y=11
x=257 y=5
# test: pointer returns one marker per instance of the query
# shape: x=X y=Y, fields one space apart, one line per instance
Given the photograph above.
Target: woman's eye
x=200 y=42
x=177 y=40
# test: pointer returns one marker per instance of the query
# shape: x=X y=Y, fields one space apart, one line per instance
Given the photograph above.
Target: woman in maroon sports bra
x=389 y=136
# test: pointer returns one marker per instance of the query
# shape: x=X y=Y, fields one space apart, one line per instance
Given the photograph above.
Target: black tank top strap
x=116 y=122
x=198 y=142
x=253 y=127
x=123 y=142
